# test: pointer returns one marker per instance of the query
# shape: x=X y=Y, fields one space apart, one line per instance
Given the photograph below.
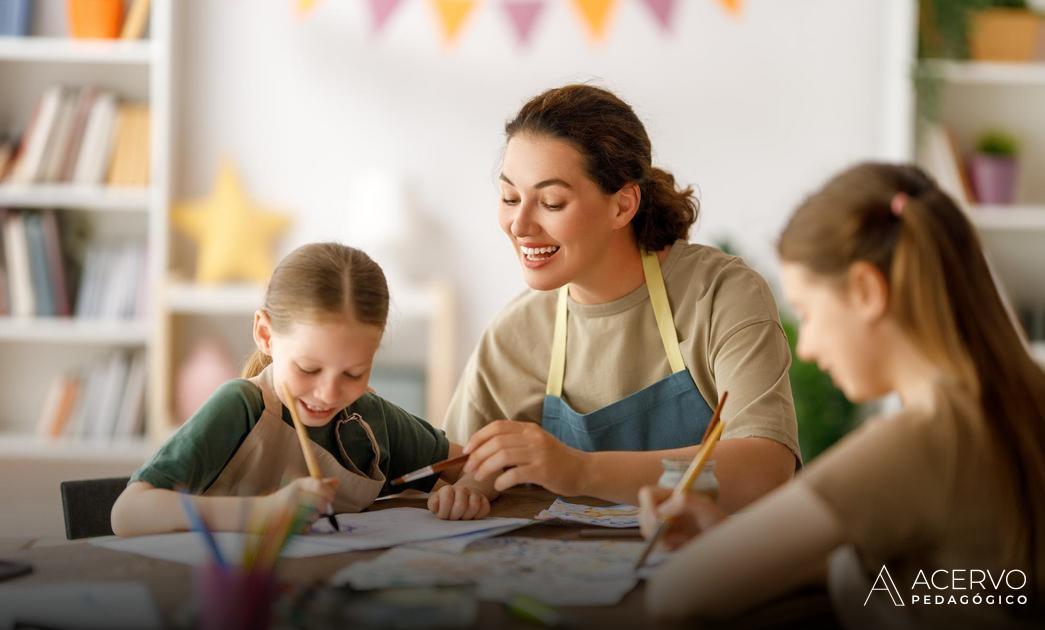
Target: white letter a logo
x=884 y=582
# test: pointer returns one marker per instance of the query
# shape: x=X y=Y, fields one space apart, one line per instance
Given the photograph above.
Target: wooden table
x=171 y=583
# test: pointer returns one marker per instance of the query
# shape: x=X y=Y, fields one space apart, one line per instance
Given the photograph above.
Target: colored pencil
x=197 y=524
x=306 y=449
x=711 y=436
x=427 y=471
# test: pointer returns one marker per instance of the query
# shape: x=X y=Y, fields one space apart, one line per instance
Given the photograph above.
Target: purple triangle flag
x=381 y=10
x=664 y=11
x=523 y=15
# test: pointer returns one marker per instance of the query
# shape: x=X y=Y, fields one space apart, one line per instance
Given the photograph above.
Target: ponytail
x=255 y=364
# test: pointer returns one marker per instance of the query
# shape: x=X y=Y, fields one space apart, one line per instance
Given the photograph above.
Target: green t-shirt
x=194 y=456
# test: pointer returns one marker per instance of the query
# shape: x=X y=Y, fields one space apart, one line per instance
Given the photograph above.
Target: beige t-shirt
x=921 y=491
x=728 y=330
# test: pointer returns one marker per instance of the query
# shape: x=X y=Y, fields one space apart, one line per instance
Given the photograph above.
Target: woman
x=614 y=358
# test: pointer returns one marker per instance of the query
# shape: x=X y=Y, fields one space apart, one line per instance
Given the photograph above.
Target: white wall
x=755 y=111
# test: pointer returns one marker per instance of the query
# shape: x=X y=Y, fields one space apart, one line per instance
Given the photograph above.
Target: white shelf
x=191 y=299
x=75 y=196
x=72 y=330
x=23 y=446
x=1013 y=73
x=69 y=50
x=1008 y=218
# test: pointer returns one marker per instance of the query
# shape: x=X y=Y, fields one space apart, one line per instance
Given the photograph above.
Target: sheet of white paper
x=457 y=544
x=618 y=516
x=557 y=590
x=577 y=573
x=368 y=530
x=79 y=605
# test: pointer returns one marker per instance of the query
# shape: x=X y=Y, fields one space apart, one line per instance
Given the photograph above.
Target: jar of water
x=674 y=469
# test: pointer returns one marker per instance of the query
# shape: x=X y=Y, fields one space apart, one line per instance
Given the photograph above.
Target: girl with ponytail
x=628 y=334
x=890 y=283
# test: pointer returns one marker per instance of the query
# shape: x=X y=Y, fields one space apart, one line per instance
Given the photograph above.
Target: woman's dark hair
x=617 y=151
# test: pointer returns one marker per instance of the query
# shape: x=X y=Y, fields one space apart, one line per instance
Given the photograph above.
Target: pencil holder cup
x=95 y=19
x=674 y=469
x=230 y=598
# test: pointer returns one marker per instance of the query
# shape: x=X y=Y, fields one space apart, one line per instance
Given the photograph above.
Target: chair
x=87 y=504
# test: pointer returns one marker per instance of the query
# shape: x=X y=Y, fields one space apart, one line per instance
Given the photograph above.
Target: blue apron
x=670 y=413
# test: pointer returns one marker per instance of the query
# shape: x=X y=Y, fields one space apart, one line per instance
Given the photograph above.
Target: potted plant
x=994 y=168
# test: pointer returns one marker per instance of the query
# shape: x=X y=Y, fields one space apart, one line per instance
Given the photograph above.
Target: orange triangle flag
x=732 y=6
x=596 y=14
x=452 y=15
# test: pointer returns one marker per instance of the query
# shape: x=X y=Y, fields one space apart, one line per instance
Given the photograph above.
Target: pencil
x=197 y=523
x=711 y=436
x=427 y=471
x=306 y=449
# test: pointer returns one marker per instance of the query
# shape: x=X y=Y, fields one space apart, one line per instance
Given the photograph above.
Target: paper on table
x=364 y=530
x=457 y=544
x=74 y=605
x=618 y=516
x=577 y=573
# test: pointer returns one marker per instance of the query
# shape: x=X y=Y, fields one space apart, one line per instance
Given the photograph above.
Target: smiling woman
x=653 y=327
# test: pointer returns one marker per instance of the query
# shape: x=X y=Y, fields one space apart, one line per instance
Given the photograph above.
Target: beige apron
x=271 y=457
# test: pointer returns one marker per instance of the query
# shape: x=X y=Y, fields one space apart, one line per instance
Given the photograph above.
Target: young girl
x=890 y=282
x=322 y=322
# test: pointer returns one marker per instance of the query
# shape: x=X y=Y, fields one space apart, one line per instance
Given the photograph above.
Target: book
x=56 y=262
x=28 y=166
x=5 y=295
x=83 y=110
x=19 y=279
x=130 y=417
x=110 y=397
x=137 y=17
x=55 y=423
x=942 y=160
x=34 y=237
x=58 y=143
x=96 y=147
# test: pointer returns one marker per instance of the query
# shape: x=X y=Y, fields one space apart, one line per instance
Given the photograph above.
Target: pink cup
x=232 y=599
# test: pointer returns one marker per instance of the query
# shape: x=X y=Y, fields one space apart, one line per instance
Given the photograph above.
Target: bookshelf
x=38 y=349
x=974 y=97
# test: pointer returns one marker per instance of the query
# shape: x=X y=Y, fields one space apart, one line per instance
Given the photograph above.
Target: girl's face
x=840 y=329
x=325 y=364
x=558 y=220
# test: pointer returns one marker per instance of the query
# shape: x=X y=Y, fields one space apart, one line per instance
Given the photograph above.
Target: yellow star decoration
x=233 y=238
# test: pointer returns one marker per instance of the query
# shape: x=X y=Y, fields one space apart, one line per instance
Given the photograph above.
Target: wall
x=754 y=111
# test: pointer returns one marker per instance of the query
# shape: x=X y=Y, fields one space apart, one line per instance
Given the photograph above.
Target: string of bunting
x=523 y=15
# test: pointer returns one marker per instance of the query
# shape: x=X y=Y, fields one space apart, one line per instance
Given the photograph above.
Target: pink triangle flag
x=664 y=11
x=523 y=15
x=381 y=10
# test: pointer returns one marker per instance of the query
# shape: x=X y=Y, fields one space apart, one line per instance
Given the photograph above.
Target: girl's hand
x=529 y=453
x=458 y=503
x=690 y=514
x=314 y=494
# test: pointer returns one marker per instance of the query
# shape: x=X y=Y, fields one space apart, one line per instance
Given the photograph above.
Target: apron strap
x=661 y=311
x=375 y=464
x=557 y=367
x=658 y=296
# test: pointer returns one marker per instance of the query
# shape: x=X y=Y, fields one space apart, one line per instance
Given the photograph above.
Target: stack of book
x=41 y=274
x=81 y=136
x=103 y=402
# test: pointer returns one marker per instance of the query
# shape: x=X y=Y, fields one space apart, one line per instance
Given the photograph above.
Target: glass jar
x=674 y=469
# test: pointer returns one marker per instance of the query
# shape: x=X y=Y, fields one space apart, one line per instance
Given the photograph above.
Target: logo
x=884 y=582
x=955 y=587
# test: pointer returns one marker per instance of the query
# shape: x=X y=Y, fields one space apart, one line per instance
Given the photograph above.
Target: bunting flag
x=664 y=11
x=596 y=14
x=304 y=6
x=731 y=6
x=381 y=10
x=452 y=15
x=523 y=15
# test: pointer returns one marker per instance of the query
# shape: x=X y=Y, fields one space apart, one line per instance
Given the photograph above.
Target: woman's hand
x=690 y=514
x=458 y=502
x=313 y=494
x=522 y=452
